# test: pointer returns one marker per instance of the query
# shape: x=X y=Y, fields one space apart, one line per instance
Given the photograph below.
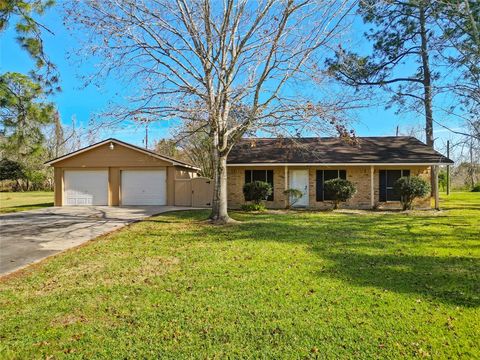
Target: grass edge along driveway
x=295 y=285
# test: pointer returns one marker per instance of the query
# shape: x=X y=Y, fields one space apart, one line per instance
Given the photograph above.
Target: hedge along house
x=114 y=173
x=372 y=164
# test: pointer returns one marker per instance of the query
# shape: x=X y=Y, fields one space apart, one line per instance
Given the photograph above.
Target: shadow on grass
x=448 y=279
x=25 y=207
x=381 y=252
x=453 y=207
x=390 y=252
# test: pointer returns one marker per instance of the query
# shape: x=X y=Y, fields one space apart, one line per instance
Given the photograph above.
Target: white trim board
x=337 y=164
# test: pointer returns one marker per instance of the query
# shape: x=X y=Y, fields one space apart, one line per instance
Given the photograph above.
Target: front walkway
x=30 y=236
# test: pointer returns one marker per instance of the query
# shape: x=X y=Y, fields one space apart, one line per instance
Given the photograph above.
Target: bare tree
x=60 y=139
x=183 y=55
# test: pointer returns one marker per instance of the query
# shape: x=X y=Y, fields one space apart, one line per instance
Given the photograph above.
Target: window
x=260 y=175
x=324 y=175
x=387 y=184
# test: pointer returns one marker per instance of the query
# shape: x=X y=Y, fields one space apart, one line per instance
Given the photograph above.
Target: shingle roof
x=330 y=150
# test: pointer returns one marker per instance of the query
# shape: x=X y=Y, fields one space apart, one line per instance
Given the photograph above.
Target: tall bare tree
x=183 y=55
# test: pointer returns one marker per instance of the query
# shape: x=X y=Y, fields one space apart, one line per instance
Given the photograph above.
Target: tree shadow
x=26 y=207
x=403 y=253
x=452 y=280
x=381 y=251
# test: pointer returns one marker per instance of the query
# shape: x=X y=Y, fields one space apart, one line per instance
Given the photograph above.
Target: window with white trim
x=324 y=175
x=388 y=178
x=260 y=175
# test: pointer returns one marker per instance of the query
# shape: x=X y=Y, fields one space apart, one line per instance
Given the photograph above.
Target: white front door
x=144 y=187
x=86 y=187
x=299 y=180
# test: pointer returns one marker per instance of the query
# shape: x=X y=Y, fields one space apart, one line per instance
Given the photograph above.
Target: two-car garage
x=116 y=173
x=137 y=187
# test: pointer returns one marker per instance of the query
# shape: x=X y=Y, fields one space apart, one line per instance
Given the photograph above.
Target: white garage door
x=85 y=187
x=144 y=187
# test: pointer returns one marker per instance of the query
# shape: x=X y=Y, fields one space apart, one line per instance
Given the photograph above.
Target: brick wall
x=359 y=175
x=236 y=180
x=422 y=171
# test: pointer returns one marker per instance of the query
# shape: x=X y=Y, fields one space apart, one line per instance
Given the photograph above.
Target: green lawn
x=20 y=201
x=297 y=285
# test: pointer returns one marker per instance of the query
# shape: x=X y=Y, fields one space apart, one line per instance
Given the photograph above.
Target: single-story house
x=372 y=164
x=114 y=173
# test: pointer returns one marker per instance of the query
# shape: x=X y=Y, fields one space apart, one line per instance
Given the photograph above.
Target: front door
x=299 y=180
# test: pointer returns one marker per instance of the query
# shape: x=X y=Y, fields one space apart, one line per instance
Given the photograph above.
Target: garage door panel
x=144 y=187
x=85 y=187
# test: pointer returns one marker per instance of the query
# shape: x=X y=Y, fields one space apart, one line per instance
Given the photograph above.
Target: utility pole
x=448 y=168
x=146 y=135
x=472 y=164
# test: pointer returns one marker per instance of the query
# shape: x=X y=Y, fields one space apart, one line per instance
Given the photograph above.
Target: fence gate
x=196 y=192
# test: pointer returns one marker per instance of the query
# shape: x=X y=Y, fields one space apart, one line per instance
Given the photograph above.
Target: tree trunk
x=427 y=79
x=58 y=134
x=427 y=86
x=219 y=213
x=471 y=170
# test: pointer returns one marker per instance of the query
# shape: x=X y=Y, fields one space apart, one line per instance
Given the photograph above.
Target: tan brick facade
x=359 y=175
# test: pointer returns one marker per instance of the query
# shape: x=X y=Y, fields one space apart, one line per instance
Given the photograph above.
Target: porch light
x=111 y=146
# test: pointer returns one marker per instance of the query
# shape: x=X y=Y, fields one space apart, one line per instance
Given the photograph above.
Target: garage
x=115 y=173
x=144 y=187
x=83 y=187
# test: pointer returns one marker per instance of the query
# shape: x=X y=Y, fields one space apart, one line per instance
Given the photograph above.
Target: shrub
x=339 y=190
x=11 y=170
x=476 y=188
x=253 y=207
x=257 y=191
x=410 y=188
x=293 y=196
x=442 y=180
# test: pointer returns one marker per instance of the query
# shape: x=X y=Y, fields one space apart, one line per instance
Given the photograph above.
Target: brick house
x=372 y=164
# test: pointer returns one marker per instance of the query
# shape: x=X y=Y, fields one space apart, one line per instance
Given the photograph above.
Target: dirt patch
x=156 y=266
x=68 y=319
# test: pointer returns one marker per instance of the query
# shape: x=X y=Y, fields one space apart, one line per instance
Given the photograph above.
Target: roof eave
x=428 y=163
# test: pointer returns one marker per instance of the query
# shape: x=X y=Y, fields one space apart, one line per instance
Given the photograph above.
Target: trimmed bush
x=253 y=207
x=257 y=191
x=339 y=190
x=293 y=196
x=411 y=188
x=476 y=188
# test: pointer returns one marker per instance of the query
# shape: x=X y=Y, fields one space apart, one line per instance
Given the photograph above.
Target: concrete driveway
x=29 y=236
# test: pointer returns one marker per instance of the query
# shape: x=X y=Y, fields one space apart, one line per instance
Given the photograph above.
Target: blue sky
x=76 y=101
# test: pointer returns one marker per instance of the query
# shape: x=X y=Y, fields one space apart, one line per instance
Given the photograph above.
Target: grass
x=21 y=201
x=296 y=285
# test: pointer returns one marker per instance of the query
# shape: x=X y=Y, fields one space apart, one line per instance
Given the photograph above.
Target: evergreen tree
x=402 y=35
x=22 y=116
x=30 y=36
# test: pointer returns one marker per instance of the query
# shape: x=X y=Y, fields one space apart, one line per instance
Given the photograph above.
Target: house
x=113 y=173
x=372 y=164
